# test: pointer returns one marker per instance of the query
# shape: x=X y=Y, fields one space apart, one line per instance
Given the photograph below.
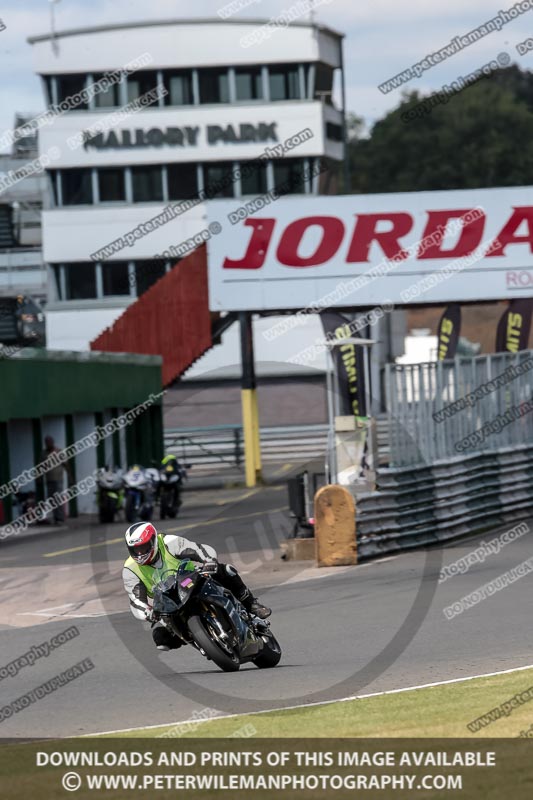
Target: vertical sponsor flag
x=512 y=334
x=449 y=330
x=349 y=365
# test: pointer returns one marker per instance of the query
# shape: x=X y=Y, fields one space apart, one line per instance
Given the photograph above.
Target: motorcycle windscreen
x=172 y=588
x=187 y=575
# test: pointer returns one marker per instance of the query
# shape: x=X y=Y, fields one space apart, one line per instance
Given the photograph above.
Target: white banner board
x=364 y=250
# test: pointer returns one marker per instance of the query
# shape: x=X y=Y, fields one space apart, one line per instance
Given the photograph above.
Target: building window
x=80 y=281
x=68 y=86
x=147 y=184
x=248 y=83
x=334 y=131
x=308 y=91
x=324 y=83
x=219 y=180
x=179 y=87
x=253 y=177
x=76 y=185
x=182 y=181
x=111 y=185
x=284 y=82
x=139 y=83
x=47 y=80
x=53 y=177
x=147 y=273
x=115 y=278
x=214 y=85
x=56 y=269
x=289 y=176
x=110 y=98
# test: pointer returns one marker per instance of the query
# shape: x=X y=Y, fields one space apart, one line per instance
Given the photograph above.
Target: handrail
x=200 y=445
x=224 y=443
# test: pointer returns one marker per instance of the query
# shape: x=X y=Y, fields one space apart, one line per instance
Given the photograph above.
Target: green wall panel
x=47 y=383
x=4 y=469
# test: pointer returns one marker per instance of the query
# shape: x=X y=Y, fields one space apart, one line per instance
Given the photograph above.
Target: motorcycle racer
x=149 y=551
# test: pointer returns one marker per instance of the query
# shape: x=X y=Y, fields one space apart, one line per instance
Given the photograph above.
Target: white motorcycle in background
x=139 y=489
x=110 y=494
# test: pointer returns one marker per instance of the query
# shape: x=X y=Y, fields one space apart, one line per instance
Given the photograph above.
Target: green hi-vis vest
x=145 y=572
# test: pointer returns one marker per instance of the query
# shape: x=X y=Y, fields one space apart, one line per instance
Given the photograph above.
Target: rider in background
x=172 y=461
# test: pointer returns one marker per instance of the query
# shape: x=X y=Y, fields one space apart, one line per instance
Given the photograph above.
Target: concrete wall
x=86 y=461
x=21 y=448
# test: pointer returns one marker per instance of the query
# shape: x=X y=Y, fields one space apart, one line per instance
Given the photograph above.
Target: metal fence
x=446 y=409
x=220 y=447
x=216 y=447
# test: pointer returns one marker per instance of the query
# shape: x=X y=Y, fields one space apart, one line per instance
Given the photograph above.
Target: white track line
x=311 y=705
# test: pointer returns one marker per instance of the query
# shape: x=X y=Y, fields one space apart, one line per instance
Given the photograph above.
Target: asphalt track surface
x=345 y=631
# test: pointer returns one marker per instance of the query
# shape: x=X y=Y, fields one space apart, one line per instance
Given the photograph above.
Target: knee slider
x=160 y=635
x=163 y=637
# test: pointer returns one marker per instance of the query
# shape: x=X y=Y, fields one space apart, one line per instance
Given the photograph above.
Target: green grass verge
x=440 y=711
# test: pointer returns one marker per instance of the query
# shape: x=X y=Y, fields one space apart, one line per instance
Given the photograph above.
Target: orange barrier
x=335 y=527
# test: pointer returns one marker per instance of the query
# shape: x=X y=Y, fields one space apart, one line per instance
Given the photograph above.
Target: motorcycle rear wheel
x=213 y=650
x=146 y=514
x=105 y=516
x=131 y=511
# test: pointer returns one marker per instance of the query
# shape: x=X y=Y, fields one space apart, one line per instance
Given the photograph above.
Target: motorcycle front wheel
x=270 y=654
x=221 y=654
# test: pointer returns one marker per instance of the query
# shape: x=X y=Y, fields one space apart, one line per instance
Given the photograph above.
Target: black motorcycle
x=171 y=478
x=204 y=614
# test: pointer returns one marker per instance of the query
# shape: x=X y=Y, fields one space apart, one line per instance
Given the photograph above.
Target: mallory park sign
x=187 y=136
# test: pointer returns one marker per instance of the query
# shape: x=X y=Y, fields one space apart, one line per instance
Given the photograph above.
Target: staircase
x=8 y=320
x=7 y=238
x=171 y=319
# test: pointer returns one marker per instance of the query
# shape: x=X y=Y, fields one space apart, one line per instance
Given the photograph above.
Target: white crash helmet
x=141 y=540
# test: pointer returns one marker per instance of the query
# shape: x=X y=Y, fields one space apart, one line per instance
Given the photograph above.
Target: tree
x=481 y=137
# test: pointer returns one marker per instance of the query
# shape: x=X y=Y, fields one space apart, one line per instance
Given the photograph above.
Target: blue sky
x=382 y=38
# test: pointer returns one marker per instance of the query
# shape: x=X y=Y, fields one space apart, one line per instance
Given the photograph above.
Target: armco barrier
x=422 y=505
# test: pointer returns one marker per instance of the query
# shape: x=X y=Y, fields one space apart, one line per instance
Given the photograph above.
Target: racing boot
x=253 y=606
